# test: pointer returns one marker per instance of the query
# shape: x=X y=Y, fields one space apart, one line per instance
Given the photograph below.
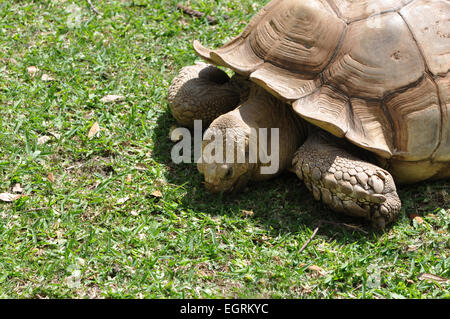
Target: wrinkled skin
x=227 y=177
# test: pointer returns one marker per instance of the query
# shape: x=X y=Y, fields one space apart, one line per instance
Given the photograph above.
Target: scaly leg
x=344 y=182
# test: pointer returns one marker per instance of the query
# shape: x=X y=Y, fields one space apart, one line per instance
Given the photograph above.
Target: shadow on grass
x=282 y=205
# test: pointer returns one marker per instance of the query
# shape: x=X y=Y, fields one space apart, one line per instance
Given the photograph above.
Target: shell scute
x=416 y=119
x=326 y=108
x=429 y=21
x=284 y=83
x=370 y=127
x=299 y=36
x=376 y=57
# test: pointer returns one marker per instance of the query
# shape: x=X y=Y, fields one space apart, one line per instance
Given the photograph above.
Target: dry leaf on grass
x=32 y=70
x=129 y=178
x=418 y=219
x=112 y=98
x=156 y=194
x=134 y=213
x=43 y=139
x=47 y=78
x=123 y=200
x=17 y=188
x=8 y=198
x=317 y=270
x=51 y=177
x=95 y=128
x=247 y=213
x=412 y=248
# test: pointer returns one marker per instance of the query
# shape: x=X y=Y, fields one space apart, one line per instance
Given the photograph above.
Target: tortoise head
x=224 y=162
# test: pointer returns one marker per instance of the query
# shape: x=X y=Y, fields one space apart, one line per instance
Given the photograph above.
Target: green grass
x=100 y=230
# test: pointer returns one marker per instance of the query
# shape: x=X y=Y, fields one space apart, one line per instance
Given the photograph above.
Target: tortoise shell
x=372 y=71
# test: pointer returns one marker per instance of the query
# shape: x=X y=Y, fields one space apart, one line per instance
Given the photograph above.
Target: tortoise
x=359 y=90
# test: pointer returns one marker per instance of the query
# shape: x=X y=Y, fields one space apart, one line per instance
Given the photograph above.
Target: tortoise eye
x=229 y=172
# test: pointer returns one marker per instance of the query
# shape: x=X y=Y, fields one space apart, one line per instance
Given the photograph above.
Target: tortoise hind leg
x=203 y=92
x=345 y=182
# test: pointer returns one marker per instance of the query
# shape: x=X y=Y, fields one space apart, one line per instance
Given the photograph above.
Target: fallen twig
x=197 y=14
x=93 y=8
x=309 y=240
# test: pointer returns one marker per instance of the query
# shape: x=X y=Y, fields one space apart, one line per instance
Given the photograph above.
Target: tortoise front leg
x=346 y=183
x=203 y=92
